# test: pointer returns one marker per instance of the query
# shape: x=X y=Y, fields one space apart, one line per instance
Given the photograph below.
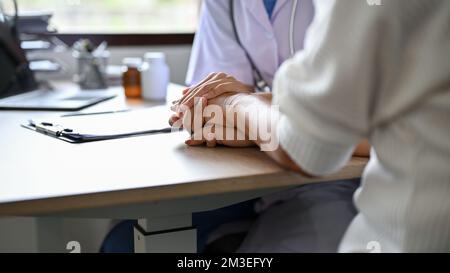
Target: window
x=119 y=16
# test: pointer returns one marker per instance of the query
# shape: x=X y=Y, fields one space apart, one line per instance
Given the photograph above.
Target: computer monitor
x=16 y=76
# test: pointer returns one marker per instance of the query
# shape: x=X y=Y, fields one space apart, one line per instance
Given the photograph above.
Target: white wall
x=20 y=234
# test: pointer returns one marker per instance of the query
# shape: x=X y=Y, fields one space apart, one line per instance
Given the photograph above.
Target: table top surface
x=40 y=174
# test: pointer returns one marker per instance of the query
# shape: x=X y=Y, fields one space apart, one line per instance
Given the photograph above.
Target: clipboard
x=89 y=127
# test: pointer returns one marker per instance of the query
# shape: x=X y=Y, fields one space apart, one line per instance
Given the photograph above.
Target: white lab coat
x=266 y=40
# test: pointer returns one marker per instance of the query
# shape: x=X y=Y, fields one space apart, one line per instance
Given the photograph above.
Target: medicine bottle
x=131 y=77
x=154 y=76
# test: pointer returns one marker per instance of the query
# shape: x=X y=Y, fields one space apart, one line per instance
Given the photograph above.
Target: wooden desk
x=155 y=176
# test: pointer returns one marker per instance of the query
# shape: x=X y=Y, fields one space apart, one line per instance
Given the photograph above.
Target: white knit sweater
x=383 y=73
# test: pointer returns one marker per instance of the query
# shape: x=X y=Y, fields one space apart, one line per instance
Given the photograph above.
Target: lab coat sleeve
x=324 y=92
x=215 y=48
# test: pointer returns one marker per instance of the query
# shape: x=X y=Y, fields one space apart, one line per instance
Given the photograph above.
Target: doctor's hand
x=211 y=87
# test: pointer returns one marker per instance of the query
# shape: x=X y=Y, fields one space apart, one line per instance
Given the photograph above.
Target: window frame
x=128 y=39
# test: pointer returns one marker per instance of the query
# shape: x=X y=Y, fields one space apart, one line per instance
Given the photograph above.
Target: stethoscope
x=260 y=83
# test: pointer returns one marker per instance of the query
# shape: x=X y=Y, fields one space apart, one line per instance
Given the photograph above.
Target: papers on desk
x=89 y=127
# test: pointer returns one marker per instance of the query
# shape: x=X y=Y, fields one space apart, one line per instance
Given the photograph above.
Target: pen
x=95 y=113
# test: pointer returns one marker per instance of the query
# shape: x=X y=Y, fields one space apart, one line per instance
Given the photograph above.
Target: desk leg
x=165 y=235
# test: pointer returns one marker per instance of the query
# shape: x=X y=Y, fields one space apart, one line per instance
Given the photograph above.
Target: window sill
x=129 y=39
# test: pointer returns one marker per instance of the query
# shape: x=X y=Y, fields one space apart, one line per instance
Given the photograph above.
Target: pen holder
x=91 y=72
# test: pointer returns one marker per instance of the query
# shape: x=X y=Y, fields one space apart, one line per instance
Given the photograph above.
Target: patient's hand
x=363 y=149
x=215 y=138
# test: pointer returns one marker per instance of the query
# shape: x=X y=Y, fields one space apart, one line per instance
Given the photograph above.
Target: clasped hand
x=206 y=112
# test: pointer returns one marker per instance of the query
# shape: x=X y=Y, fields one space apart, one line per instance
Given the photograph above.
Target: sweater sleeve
x=324 y=92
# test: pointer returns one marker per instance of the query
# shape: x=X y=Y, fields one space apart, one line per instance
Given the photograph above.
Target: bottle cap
x=132 y=62
x=152 y=57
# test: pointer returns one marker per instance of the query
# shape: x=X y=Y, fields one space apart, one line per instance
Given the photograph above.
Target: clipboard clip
x=49 y=128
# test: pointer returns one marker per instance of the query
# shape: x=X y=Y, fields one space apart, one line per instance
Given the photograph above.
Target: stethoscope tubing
x=259 y=81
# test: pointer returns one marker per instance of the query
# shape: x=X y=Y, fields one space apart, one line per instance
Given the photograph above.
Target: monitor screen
x=16 y=76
